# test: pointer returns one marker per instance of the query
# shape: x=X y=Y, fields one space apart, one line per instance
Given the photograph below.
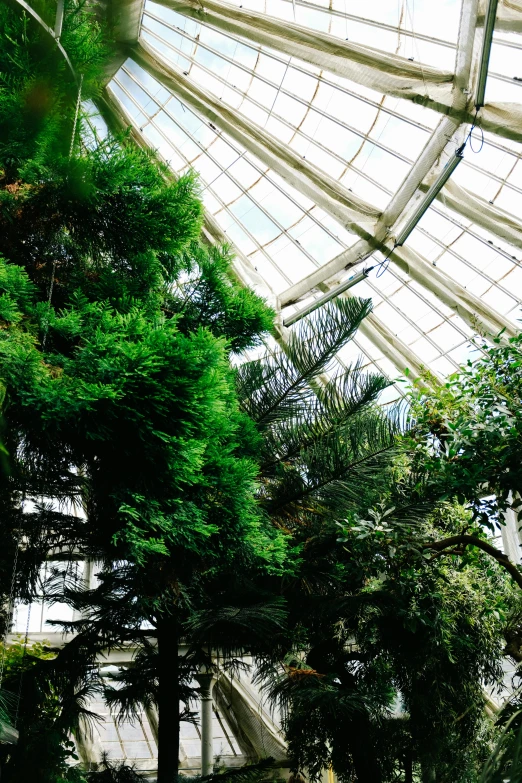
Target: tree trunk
x=408 y=767
x=428 y=773
x=362 y=749
x=168 y=700
x=358 y=732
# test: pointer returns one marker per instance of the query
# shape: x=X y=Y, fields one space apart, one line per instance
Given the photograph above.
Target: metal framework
x=216 y=85
x=244 y=98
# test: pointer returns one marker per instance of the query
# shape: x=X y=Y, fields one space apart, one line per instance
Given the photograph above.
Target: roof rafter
x=469 y=307
x=446 y=127
x=384 y=72
x=357 y=62
x=351 y=211
x=393 y=348
x=378 y=333
x=348 y=258
x=374 y=230
x=322 y=189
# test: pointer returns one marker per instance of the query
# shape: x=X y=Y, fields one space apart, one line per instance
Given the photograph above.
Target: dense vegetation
x=258 y=509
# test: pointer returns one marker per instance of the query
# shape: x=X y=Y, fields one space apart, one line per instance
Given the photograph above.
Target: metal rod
x=206 y=681
x=59 y=20
x=487 y=40
x=50 y=31
x=430 y=196
x=327 y=297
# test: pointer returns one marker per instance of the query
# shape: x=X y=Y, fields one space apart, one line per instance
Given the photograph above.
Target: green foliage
x=114 y=773
x=40 y=733
x=208 y=298
x=468 y=432
x=321 y=440
x=38 y=92
x=53 y=691
x=118 y=394
x=505 y=762
x=394 y=655
x=212 y=496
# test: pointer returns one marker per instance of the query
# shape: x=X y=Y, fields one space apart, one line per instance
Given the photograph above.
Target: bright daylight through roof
x=261 y=391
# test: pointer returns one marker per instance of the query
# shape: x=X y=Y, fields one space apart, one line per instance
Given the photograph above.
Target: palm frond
x=250 y=773
x=138 y=685
x=239 y=626
x=110 y=772
x=323 y=414
x=278 y=385
x=334 y=470
x=8 y=733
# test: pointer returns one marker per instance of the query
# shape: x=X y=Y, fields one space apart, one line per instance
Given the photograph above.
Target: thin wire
x=411 y=14
x=51 y=287
x=51 y=284
x=22 y=664
x=469 y=137
x=227 y=80
x=383 y=266
x=385 y=263
x=78 y=102
x=278 y=90
x=11 y=598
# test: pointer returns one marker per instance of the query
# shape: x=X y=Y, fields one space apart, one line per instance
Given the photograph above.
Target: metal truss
x=447 y=93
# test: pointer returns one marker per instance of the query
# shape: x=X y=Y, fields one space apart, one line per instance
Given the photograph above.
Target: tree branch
x=497 y=554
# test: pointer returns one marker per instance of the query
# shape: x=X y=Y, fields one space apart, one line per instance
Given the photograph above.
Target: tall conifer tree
x=117 y=389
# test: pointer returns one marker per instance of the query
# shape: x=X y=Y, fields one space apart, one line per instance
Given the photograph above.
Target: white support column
x=206 y=681
x=511 y=538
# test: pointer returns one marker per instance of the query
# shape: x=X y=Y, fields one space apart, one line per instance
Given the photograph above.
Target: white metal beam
x=386 y=73
x=431 y=159
x=470 y=308
x=397 y=352
x=322 y=189
x=357 y=62
x=348 y=258
x=351 y=211
x=391 y=347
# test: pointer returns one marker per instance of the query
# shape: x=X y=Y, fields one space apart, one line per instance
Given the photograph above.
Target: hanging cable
x=11 y=597
x=434 y=190
x=75 y=123
x=469 y=137
x=53 y=272
x=50 y=296
x=384 y=264
x=24 y=654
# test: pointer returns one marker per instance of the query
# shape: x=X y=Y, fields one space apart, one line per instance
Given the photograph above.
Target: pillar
x=206 y=682
x=510 y=535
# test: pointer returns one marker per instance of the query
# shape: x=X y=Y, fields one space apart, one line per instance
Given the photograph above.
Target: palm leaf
x=278 y=385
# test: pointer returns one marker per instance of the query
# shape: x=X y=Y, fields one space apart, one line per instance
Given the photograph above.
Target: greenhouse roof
x=317 y=128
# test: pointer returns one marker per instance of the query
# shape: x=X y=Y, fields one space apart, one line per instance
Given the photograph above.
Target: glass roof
x=310 y=164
